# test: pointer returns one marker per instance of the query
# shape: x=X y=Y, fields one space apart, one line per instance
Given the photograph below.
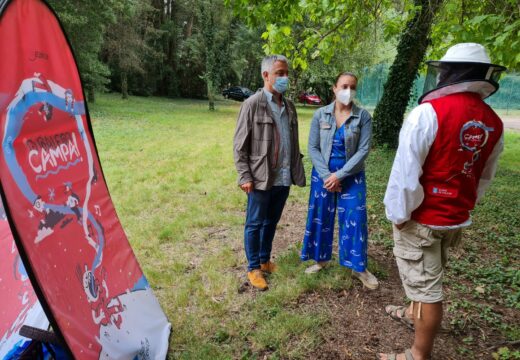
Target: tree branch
x=504 y=343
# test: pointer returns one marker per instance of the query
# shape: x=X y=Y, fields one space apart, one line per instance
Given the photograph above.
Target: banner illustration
x=20 y=305
x=79 y=259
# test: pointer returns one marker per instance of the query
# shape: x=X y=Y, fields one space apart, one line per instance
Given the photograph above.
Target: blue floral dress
x=350 y=204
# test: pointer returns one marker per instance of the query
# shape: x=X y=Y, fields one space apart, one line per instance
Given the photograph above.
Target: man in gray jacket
x=268 y=161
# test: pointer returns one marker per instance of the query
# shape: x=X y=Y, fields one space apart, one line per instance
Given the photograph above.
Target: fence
x=372 y=81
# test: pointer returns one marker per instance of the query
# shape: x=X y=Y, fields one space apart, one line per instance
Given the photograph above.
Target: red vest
x=468 y=130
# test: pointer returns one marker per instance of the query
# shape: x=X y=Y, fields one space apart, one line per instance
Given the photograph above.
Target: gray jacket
x=358 y=135
x=257 y=140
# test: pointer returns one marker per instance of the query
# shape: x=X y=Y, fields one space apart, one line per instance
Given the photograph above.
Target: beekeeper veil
x=465 y=67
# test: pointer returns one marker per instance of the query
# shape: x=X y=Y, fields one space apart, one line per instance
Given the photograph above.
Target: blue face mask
x=281 y=84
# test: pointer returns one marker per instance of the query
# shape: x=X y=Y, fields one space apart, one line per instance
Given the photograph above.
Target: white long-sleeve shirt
x=404 y=192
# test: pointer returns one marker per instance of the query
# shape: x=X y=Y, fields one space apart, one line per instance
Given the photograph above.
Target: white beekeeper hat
x=464 y=67
x=466 y=52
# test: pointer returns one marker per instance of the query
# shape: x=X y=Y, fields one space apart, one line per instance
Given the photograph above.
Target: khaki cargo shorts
x=421 y=254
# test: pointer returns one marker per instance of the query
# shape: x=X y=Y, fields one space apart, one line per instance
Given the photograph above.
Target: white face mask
x=346 y=96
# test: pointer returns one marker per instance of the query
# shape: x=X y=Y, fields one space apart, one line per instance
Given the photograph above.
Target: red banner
x=79 y=258
x=20 y=305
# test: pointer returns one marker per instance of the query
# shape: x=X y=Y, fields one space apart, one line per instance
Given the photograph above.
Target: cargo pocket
x=425 y=235
x=411 y=266
x=258 y=166
x=263 y=128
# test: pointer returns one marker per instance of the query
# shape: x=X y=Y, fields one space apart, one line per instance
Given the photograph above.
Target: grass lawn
x=169 y=168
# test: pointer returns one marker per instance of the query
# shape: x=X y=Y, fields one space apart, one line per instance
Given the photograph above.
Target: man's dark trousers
x=264 y=209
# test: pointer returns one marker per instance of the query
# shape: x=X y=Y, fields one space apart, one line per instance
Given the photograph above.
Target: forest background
x=194 y=49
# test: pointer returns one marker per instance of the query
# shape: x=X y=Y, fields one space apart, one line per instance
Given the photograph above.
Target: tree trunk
x=208 y=35
x=296 y=75
x=91 y=96
x=172 y=87
x=124 y=85
x=389 y=112
x=211 y=94
x=189 y=27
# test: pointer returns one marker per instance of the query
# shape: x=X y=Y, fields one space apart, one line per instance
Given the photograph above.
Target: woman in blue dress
x=339 y=142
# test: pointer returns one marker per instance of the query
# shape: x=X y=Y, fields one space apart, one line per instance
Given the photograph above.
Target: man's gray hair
x=268 y=62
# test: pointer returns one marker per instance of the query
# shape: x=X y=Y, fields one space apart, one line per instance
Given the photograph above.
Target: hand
x=400 y=226
x=247 y=187
x=336 y=188
x=332 y=183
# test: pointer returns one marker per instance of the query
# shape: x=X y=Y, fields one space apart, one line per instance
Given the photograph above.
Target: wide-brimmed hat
x=464 y=67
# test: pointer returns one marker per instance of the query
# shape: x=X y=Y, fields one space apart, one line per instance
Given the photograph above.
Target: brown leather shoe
x=269 y=267
x=256 y=278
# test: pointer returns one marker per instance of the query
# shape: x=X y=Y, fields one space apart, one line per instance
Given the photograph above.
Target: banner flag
x=69 y=237
x=20 y=305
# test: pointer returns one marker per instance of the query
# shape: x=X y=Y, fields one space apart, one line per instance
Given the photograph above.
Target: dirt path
x=511 y=122
x=358 y=326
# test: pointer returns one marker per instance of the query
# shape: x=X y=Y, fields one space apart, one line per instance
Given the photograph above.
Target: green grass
x=169 y=168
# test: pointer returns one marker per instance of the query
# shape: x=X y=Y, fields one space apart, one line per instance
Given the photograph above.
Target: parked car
x=309 y=98
x=238 y=93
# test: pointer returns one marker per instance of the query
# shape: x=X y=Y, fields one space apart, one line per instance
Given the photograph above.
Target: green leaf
x=286 y=30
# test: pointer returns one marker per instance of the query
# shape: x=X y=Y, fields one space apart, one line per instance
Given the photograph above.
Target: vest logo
x=474 y=135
